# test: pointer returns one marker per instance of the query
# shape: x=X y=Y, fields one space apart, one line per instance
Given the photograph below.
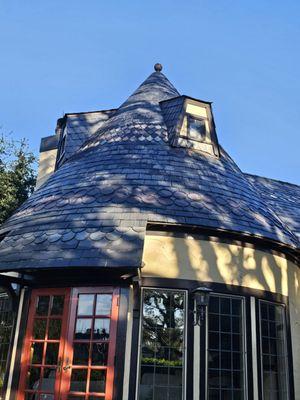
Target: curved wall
x=191 y=258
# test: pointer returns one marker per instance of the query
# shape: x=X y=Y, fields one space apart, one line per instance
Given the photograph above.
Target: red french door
x=69 y=347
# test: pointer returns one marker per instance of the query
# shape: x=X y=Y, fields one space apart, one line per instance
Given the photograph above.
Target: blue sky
x=69 y=56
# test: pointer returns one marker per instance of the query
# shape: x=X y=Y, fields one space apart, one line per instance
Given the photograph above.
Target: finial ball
x=158 y=67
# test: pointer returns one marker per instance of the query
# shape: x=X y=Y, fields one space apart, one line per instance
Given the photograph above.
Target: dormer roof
x=95 y=209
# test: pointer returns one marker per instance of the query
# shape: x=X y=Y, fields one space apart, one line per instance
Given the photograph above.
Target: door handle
x=68 y=366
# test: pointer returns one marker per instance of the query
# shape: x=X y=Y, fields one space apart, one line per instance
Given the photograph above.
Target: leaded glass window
x=226 y=348
x=6 y=323
x=274 y=357
x=162 y=345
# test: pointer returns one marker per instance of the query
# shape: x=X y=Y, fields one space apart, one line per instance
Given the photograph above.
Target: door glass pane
x=33 y=378
x=83 y=328
x=85 y=304
x=273 y=351
x=97 y=380
x=54 y=329
x=47 y=396
x=52 y=354
x=39 y=328
x=226 y=364
x=42 y=305
x=162 y=344
x=101 y=328
x=99 y=353
x=48 y=380
x=103 y=305
x=57 y=305
x=36 y=352
x=81 y=353
x=78 y=380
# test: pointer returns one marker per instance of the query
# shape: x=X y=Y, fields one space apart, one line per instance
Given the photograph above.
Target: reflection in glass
x=42 y=305
x=36 y=353
x=54 y=329
x=81 y=353
x=39 y=328
x=33 y=377
x=57 y=305
x=274 y=351
x=78 y=380
x=48 y=380
x=85 y=304
x=52 y=354
x=161 y=372
x=83 y=328
x=47 y=396
x=99 y=353
x=101 y=328
x=103 y=304
x=97 y=380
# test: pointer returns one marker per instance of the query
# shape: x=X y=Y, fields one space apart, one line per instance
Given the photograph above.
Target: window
x=226 y=348
x=162 y=345
x=273 y=348
x=6 y=324
x=196 y=128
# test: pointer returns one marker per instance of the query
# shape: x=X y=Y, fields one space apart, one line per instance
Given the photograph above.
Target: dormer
x=190 y=124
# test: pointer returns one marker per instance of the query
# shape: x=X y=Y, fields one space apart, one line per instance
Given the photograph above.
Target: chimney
x=48 y=153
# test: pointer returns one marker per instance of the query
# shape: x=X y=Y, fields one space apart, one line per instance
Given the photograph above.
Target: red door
x=69 y=346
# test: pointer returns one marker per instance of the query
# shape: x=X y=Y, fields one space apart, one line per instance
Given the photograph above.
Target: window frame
x=186 y=311
x=206 y=138
x=287 y=343
x=251 y=321
x=245 y=342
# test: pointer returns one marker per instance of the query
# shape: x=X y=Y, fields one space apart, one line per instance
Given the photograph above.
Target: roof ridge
x=272 y=179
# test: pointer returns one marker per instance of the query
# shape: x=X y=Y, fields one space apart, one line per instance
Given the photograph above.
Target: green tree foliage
x=17 y=175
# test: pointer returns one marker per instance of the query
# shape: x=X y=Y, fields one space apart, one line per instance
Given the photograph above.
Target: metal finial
x=158 y=67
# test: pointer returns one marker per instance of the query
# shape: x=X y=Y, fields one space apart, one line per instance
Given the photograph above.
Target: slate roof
x=282 y=197
x=93 y=211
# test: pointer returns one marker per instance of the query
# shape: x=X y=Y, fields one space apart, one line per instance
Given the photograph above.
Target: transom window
x=162 y=345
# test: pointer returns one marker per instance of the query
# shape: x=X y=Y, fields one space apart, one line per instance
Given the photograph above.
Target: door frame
x=110 y=367
x=25 y=356
x=68 y=324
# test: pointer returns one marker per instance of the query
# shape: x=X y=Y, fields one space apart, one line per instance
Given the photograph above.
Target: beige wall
x=46 y=166
x=195 y=259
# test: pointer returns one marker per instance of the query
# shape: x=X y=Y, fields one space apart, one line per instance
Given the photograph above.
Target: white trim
x=128 y=346
x=196 y=361
x=254 y=348
x=14 y=349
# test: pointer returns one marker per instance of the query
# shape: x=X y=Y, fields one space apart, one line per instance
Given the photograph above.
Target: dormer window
x=190 y=124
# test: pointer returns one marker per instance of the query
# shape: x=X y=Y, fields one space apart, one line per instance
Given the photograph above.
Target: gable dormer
x=190 y=124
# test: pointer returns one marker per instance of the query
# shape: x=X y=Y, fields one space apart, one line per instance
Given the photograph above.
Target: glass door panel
x=69 y=349
x=90 y=348
x=44 y=345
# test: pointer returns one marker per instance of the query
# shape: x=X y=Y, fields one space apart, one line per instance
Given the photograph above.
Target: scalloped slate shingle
x=94 y=209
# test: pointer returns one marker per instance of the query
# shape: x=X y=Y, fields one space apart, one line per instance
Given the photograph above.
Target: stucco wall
x=190 y=258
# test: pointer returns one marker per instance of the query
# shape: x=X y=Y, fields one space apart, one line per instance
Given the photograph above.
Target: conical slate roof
x=94 y=209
